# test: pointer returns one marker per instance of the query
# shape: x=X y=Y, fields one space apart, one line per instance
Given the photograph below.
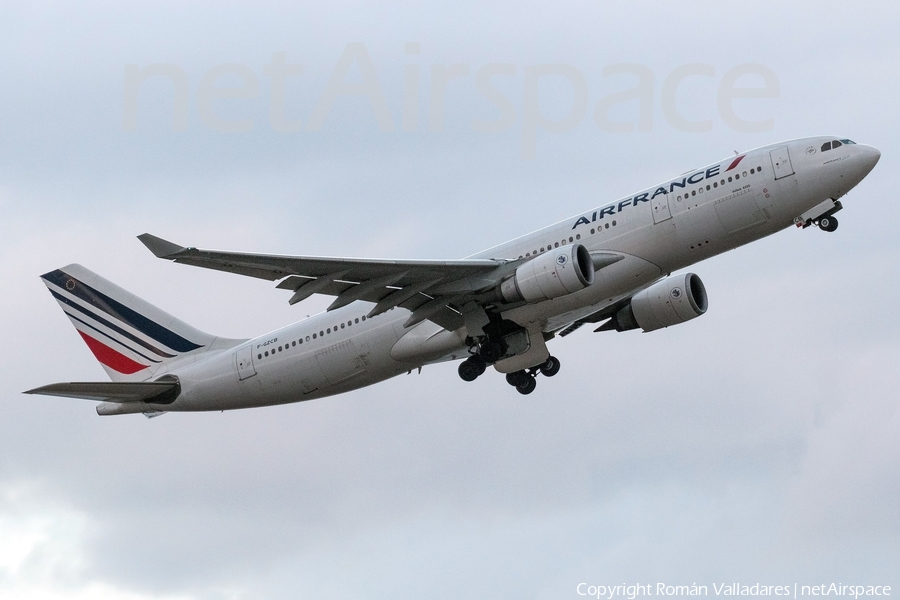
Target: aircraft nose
x=868 y=156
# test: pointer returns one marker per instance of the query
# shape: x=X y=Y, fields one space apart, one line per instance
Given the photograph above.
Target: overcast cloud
x=760 y=443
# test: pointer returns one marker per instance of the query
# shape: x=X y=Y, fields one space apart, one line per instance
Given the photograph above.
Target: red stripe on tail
x=109 y=357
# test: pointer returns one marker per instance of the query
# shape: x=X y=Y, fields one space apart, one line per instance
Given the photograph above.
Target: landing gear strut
x=491 y=351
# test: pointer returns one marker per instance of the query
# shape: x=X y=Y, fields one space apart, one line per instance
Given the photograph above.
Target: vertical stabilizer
x=130 y=337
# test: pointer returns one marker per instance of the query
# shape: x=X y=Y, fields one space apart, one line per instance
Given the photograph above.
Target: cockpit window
x=835 y=144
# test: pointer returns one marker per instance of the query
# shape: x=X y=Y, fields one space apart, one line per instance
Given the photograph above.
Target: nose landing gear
x=828 y=224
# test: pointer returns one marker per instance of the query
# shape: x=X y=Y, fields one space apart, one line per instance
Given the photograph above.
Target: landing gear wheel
x=479 y=364
x=491 y=352
x=527 y=386
x=828 y=224
x=469 y=371
x=517 y=378
x=551 y=367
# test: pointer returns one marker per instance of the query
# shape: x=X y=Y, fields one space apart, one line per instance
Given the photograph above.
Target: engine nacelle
x=668 y=302
x=555 y=273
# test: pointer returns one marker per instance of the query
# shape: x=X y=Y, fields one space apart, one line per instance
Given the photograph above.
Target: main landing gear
x=487 y=353
x=472 y=367
x=524 y=381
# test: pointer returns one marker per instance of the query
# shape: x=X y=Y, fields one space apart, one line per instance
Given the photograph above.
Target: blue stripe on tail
x=119 y=311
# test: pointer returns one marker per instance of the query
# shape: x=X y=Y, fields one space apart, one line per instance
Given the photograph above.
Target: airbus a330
x=611 y=266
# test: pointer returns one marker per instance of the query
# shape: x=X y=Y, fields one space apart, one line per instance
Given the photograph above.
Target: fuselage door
x=781 y=162
x=661 y=210
x=244 y=359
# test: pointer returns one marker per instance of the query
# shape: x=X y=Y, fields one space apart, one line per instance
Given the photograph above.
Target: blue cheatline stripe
x=112 y=326
x=119 y=311
x=104 y=334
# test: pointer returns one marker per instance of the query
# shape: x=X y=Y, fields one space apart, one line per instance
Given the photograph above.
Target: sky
x=758 y=444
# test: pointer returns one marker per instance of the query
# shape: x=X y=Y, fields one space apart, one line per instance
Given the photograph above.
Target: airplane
x=611 y=266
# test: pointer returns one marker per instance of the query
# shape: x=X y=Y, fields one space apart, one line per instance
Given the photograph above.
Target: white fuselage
x=658 y=230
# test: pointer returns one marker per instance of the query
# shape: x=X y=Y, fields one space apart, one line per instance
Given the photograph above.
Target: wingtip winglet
x=159 y=247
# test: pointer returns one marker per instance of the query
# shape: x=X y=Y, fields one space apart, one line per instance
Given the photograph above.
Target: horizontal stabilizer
x=151 y=392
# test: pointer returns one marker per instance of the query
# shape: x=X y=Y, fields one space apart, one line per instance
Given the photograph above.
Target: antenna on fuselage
x=735 y=152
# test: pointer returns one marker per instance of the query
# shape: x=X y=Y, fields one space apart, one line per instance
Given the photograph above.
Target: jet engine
x=668 y=302
x=555 y=273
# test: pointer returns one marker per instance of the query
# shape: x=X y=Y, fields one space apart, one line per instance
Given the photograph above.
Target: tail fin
x=131 y=338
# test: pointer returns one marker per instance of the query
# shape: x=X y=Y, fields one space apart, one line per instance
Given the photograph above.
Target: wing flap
x=388 y=283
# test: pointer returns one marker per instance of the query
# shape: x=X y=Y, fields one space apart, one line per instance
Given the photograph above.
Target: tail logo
x=98 y=316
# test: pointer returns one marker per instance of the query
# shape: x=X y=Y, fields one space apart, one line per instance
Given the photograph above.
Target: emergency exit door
x=660 y=206
x=781 y=162
x=244 y=359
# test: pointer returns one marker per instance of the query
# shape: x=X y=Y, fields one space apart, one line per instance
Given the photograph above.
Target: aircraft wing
x=155 y=392
x=428 y=288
